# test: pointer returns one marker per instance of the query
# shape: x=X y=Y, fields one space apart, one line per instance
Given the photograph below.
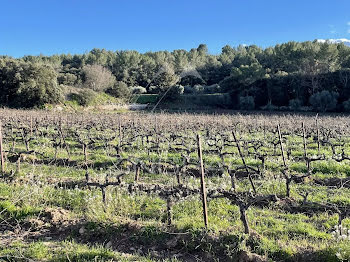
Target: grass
x=64 y=251
x=147 y=99
x=140 y=219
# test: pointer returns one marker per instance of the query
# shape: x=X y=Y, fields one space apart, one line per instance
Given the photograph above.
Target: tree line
x=292 y=76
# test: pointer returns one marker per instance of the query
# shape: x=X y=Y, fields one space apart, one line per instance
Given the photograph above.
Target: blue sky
x=31 y=27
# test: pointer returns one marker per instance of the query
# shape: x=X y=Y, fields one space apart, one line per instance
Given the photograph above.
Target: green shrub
x=269 y=107
x=189 y=90
x=164 y=80
x=198 y=89
x=84 y=97
x=67 y=79
x=138 y=90
x=120 y=90
x=212 y=89
x=172 y=93
x=26 y=84
x=346 y=105
x=246 y=103
x=324 y=101
x=295 y=104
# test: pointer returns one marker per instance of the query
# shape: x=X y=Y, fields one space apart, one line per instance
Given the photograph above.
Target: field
x=130 y=187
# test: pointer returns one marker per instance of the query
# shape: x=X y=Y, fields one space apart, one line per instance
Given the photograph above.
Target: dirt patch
x=334 y=182
x=71 y=184
x=58 y=217
x=51 y=223
x=246 y=256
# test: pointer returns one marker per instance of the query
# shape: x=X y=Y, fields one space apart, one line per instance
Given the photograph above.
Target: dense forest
x=290 y=76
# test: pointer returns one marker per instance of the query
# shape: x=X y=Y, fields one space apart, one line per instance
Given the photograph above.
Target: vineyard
x=174 y=187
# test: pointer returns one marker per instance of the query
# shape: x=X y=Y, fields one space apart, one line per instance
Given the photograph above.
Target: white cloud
x=341 y=40
x=335 y=41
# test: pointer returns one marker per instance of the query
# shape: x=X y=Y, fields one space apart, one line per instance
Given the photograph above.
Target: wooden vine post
x=305 y=147
x=169 y=204
x=2 y=151
x=281 y=144
x=285 y=171
x=85 y=153
x=137 y=172
x=318 y=134
x=203 y=189
x=31 y=126
x=120 y=137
